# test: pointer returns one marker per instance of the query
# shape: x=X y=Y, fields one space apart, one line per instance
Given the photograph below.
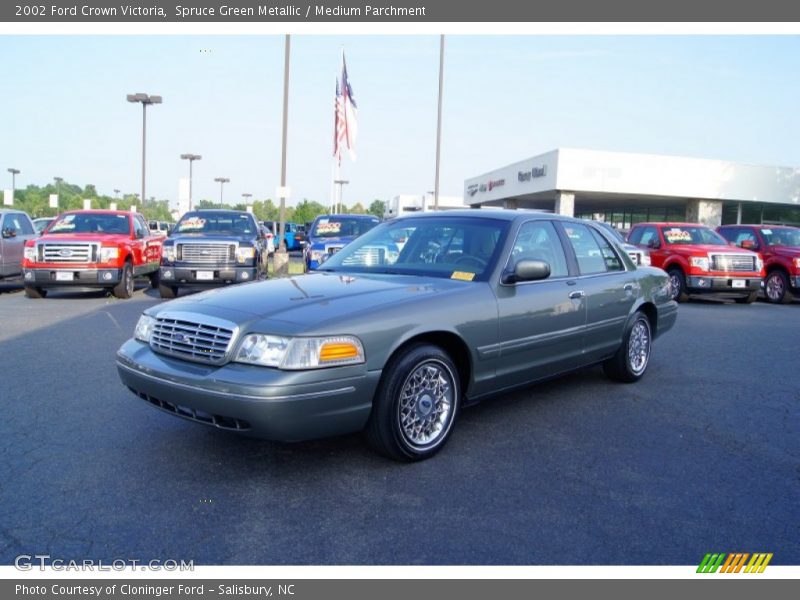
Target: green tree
x=357 y=209
x=377 y=208
x=306 y=211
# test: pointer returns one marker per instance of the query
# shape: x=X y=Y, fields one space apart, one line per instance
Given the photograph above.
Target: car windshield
x=331 y=227
x=692 y=234
x=613 y=231
x=463 y=248
x=99 y=223
x=216 y=223
x=781 y=237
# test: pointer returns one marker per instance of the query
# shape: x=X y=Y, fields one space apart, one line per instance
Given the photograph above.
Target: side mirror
x=528 y=270
x=748 y=245
x=654 y=244
x=9 y=233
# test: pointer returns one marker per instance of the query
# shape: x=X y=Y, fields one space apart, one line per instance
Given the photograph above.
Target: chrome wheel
x=639 y=346
x=129 y=282
x=425 y=409
x=775 y=288
x=675 y=284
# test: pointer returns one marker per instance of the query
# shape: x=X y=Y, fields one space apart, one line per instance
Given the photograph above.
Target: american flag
x=345 y=127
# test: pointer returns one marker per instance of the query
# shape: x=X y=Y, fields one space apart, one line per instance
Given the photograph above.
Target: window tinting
x=538 y=240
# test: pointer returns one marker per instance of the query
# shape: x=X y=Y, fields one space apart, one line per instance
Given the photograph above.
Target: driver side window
x=538 y=240
x=139 y=228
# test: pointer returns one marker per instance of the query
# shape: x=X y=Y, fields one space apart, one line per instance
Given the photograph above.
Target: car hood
x=113 y=238
x=311 y=299
x=180 y=238
x=790 y=251
x=331 y=241
x=709 y=248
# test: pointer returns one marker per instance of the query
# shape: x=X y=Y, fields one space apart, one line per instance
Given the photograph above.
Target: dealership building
x=623 y=188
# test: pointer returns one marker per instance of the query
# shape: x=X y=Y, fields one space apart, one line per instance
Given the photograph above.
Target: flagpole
x=439 y=125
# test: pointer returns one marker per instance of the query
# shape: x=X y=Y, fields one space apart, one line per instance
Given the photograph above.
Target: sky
x=505 y=98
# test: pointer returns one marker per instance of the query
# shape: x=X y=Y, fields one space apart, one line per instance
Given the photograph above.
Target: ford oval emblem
x=179 y=337
x=66 y=253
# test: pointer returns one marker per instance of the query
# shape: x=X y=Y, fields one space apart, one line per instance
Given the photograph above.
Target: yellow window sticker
x=462 y=275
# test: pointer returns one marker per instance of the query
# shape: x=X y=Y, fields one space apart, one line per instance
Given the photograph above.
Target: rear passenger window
x=538 y=240
x=593 y=252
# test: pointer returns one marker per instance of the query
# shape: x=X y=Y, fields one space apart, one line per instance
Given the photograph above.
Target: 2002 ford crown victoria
x=397 y=341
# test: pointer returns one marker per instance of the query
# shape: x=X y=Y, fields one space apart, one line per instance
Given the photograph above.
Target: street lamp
x=247 y=196
x=14 y=173
x=340 y=183
x=191 y=158
x=145 y=100
x=222 y=181
x=116 y=194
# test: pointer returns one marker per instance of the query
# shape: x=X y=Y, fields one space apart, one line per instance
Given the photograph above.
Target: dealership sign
x=474 y=188
x=534 y=173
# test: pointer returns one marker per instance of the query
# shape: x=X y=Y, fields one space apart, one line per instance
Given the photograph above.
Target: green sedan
x=394 y=339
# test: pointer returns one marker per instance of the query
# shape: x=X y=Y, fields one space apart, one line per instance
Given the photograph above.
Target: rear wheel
x=776 y=288
x=677 y=283
x=124 y=289
x=167 y=291
x=631 y=360
x=31 y=291
x=415 y=405
x=749 y=299
x=153 y=279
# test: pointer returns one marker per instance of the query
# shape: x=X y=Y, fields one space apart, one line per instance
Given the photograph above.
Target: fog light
x=701 y=282
x=107 y=276
x=166 y=274
x=245 y=275
x=28 y=275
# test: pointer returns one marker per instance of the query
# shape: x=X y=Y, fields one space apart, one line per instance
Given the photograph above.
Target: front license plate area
x=205 y=275
x=739 y=283
x=64 y=276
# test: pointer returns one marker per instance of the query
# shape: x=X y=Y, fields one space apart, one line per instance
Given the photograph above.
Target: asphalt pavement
x=702 y=455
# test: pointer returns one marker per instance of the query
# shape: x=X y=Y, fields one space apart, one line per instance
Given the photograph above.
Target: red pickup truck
x=698 y=260
x=92 y=248
x=779 y=247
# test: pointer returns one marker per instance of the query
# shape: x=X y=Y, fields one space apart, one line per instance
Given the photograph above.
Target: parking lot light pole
x=191 y=158
x=246 y=196
x=222 y=181
x=14 y=173
x=340 y=183
x=145 y=100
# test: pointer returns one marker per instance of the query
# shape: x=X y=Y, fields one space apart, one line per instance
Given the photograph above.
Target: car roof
x=340 y=215
x=503 y=214
x=762 y=225
x=96 y=211
x=669 y=224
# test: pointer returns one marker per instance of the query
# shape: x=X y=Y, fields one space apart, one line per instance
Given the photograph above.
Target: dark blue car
x=330 y=233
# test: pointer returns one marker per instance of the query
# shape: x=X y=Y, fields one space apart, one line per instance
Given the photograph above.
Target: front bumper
x=698 y=284
x=257 y=401
x=71 y=276
x=188 y=275
x=795 y=282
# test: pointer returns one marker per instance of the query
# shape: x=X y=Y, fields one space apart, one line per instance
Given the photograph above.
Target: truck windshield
x=329 y=227
x=691 y=234
x=98 y=223
x=781 y=237
x=216 y=223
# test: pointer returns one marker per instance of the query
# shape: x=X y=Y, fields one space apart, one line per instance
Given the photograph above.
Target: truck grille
x=189 y=339
x=207 y=254
x=68 y=253
x=733 y=262
x=636 y=257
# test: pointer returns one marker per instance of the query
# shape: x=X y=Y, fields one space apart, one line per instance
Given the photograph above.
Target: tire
x=749 y=299
x=124 y=289
x=776 y=288
x=32 y=291
x=677 y=281
x=154 y=278
x=167 y=291
x=630 y=362
x=408 y=422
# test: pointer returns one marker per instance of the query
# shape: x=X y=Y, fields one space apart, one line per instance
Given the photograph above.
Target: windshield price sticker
x=462 y=275
x=330 y=227
x=193 y=223
x=65 y=223
x=678 y=235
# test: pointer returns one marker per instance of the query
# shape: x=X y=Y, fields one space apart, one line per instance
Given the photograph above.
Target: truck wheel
x=167 y=291
x=776 y=288
x=153 y=279
x=415 y=405
x=677 y=283
x=631 y=360
x=124 y=289
x=749 y=299
x=32 y=291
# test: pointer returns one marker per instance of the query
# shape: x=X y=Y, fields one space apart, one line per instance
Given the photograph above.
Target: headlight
x=797 y=263
x=699 y=262
x=645 y=259
x=243 y=254
x=759 y=263
x=168 y=253
x=144 y=328
x=107 y=254
x=317 y=255
x=299 y=353
x=30 y=253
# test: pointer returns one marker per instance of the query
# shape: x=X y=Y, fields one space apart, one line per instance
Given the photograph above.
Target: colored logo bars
x=734 y=562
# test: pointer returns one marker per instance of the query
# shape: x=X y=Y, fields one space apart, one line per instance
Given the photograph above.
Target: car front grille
x=194 y=414
x=190 y=338
x=733 y=262
x=67 y=253
x=207 y=254
x=636 y=257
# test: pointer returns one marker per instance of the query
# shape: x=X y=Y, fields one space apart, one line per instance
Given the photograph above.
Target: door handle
x=577 y=294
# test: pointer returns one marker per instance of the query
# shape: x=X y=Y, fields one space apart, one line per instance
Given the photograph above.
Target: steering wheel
x=467 y=258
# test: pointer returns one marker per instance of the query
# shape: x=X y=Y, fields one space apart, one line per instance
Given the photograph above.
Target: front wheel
x=631 y=360
x=167 y=291
x=677 y=284
x=749 y=299
x=124 y=289
x=776 y=288
x=32 y=291
x=416 y=404
x=154 y=278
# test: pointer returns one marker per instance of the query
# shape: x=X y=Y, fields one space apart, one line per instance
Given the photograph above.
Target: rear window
x=217 y=223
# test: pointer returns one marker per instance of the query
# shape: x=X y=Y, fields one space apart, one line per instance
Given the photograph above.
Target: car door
x=609 y=287
x=16 y=229
x=151 y=243
x=541 y=323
